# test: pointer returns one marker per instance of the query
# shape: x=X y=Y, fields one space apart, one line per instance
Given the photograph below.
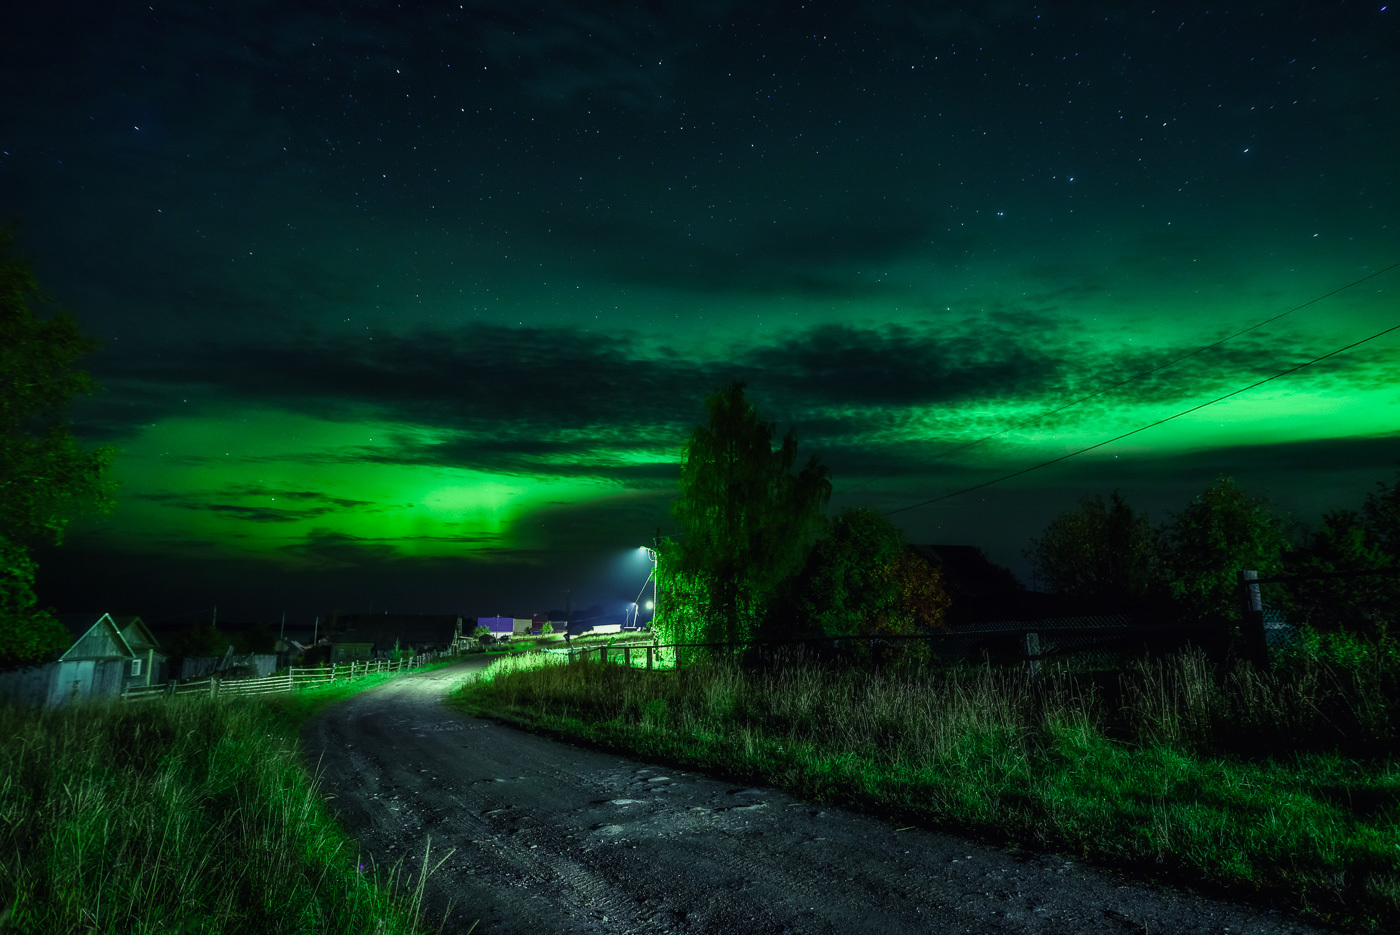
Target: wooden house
x=109 y=654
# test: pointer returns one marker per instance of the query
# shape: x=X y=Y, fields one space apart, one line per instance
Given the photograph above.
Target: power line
x=1144 y=428
x=1137 y=376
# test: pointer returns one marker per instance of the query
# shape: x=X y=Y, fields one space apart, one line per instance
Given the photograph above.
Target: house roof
x=99 y=638
x=138 y=636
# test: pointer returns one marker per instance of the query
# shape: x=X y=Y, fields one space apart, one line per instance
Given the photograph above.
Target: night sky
x=412 y=308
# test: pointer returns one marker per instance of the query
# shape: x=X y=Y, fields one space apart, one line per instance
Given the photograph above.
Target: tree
x=46 y=476
x=1362 y=604
x=1219 y=533
x=746 y=518
x=27 y=635
x=844 y=586
x=199 y=640
x=861 y=579
x=255 y=638
x=682 y=596
x=1104 y=556
x=1382 y=518
x=921 y=596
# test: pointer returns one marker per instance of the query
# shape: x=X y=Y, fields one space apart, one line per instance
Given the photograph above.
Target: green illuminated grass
x=189 y=815
x=1270 y=786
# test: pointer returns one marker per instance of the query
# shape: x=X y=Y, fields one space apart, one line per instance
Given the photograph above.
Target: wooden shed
x=109 y=654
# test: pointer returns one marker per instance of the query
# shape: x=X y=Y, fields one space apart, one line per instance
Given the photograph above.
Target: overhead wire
x=1121 y=383
x=1144 y=428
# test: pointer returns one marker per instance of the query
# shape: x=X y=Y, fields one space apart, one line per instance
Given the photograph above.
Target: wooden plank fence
x=1029 y=642
x=292 y=678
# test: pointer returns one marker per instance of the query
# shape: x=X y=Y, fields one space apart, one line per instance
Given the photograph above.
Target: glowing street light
x=655 y=598
x=651 y=577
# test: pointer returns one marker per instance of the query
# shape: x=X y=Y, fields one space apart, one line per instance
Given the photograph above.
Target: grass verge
x=186 y=815
x=1131 y=771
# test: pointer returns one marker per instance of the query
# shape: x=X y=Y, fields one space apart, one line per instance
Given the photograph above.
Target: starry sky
x=412 y=307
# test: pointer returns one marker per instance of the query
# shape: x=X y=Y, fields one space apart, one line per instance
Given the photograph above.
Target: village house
x=109 y=654
x=497 y=626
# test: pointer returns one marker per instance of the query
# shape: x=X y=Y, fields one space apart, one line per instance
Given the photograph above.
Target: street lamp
x=655 y=599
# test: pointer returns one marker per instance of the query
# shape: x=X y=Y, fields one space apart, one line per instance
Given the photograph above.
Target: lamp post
x=655 y=599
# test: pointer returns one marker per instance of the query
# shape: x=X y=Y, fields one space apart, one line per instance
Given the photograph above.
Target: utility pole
x=282 y=633
x=1252 y=618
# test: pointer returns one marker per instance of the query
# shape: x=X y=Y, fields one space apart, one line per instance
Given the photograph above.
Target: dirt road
x=552 y=838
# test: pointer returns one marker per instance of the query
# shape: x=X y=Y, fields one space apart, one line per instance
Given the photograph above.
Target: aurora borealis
x=415 y=307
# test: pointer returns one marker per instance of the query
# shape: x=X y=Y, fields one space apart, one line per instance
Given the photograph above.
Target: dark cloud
x=302 y=495
x=902 y=366
x=599 y=455
x=259 y=512
x=562 y=52
x=326 y=547
x=555 y=401
x=814 y=255
x=251 y=513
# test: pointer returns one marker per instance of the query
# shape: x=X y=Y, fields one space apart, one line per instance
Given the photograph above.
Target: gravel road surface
x=552 y=838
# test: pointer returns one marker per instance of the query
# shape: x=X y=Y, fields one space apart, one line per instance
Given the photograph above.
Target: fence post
x=649 y=649
x=603 y=654
x=1032 y=647
x=627 y=657
x=1252 y=619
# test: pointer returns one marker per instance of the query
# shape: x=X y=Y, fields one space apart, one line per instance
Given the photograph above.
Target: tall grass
x=520 y=662
x=1280 y=783
x=186 y=815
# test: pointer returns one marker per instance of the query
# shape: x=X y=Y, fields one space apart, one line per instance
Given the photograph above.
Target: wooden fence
x=1099 y=642
x=288 y=680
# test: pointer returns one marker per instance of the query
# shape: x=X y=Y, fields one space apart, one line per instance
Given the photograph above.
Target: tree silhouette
x=1102 y=555
x=46 y=476
x=747 y=518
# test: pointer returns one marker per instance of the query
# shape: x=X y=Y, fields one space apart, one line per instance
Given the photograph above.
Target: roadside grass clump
x=520 y=662
x=1279 y=785
x=184 y=815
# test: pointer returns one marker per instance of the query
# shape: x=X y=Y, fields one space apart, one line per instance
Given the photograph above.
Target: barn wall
x=28 y=687
x=201 y=666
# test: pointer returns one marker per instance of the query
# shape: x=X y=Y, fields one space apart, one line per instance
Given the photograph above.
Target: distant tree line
x=1105 y=556
x=756 y=558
